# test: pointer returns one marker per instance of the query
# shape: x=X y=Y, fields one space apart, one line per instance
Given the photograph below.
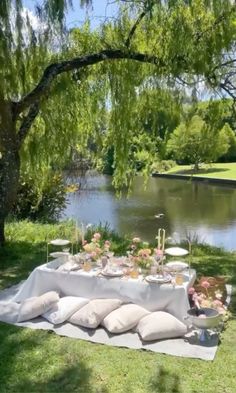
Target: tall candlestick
x=76 y=232
x=190 y=258
x=163 y=239
x=159 y=239
x=82 y=232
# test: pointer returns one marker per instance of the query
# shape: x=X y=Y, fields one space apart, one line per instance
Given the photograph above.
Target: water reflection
x=207 y=211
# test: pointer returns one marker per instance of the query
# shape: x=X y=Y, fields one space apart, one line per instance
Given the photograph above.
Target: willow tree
x=171 y=39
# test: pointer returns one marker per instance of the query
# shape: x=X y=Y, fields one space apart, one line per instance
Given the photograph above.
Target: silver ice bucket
x=209 y=318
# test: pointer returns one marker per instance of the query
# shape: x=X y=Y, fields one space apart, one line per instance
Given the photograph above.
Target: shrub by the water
x=40 y=203
x=162 y=166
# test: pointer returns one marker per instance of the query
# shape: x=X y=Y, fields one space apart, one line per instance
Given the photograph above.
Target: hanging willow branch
x=55 y=69
x=134 y=27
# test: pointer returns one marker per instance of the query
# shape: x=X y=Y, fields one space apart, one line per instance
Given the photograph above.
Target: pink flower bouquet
x=96 y=247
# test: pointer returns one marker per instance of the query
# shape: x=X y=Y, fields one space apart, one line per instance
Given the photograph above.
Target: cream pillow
x=125 y=318
x=35 y=306
x=62 y=310
x=94 y=312
x=9 y=311
x=159 y=325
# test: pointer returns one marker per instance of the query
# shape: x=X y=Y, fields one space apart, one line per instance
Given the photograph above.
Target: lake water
x=203 y=210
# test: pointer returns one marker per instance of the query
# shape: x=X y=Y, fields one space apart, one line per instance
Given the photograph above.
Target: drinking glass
x=134 y=273
x=153 y=270
x=87 y=266
x=179 y=279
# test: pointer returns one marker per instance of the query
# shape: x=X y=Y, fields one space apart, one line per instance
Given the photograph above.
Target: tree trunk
x=9 y=164
x=196 y=166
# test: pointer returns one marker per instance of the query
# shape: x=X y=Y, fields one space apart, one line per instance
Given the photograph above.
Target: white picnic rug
x=189 y=346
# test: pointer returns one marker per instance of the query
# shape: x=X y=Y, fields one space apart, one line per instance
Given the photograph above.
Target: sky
x=77 y=16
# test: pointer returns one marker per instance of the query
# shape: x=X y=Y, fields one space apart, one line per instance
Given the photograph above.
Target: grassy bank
x=40 y=361
x=214 y=171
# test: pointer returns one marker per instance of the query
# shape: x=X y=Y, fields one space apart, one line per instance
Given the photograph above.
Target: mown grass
x=216 y=171
x=41 y=361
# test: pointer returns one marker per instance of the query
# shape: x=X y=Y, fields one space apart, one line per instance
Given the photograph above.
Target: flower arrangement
x=96 y=247
x=204 y=298
x=142 y=254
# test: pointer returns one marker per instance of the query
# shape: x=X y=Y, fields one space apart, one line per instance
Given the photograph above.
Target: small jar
x=134 y=272
x=87 y=266
x=179 y=279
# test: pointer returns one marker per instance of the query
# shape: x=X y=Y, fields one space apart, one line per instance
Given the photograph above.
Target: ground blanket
x=188 y=346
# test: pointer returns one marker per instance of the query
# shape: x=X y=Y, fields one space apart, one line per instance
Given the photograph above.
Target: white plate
x=55 y=263
x=177 y=265
x=176 y=251
x=68 y=267
x=59 y=242
x=59 y=254
x=159 y=279
x=110 y=273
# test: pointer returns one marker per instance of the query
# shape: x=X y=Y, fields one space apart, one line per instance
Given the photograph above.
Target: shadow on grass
x=62 y=382
x=164 y=382
x=18 y=259
x=27 y=364
x=22 y=368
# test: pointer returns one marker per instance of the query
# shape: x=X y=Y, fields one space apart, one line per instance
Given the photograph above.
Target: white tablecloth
x=152 y=296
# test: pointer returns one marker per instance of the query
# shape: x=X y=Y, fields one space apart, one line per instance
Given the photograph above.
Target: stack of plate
x=112 y=273
x=59 y=254
x=60 y=242
x=159 y=278
x=176 y=266
x=176 y=252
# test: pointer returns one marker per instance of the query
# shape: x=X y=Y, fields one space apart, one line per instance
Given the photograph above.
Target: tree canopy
x=57 y=86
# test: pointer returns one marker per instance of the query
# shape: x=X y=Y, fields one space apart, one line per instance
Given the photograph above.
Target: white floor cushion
x=94 y=312
x=35 y=306
x=9 y=311
x=125 y=318
x=159 y=325
x=63 y=310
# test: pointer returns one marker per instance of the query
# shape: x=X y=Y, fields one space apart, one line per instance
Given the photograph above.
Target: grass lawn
x=217 y=171
x=41 y=361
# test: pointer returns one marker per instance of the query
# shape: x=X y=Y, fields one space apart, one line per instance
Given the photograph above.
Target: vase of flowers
x=141 y=255
x=96 y=247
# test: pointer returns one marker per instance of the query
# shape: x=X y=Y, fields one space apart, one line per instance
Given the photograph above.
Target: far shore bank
x=196 y=178
x=217 y=173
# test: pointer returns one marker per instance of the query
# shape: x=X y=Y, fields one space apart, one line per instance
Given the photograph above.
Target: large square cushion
x=9 y=311
x=159 y=325
x=35 y=306
x=94 y=312
x=124 y=318
x=65 y=307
